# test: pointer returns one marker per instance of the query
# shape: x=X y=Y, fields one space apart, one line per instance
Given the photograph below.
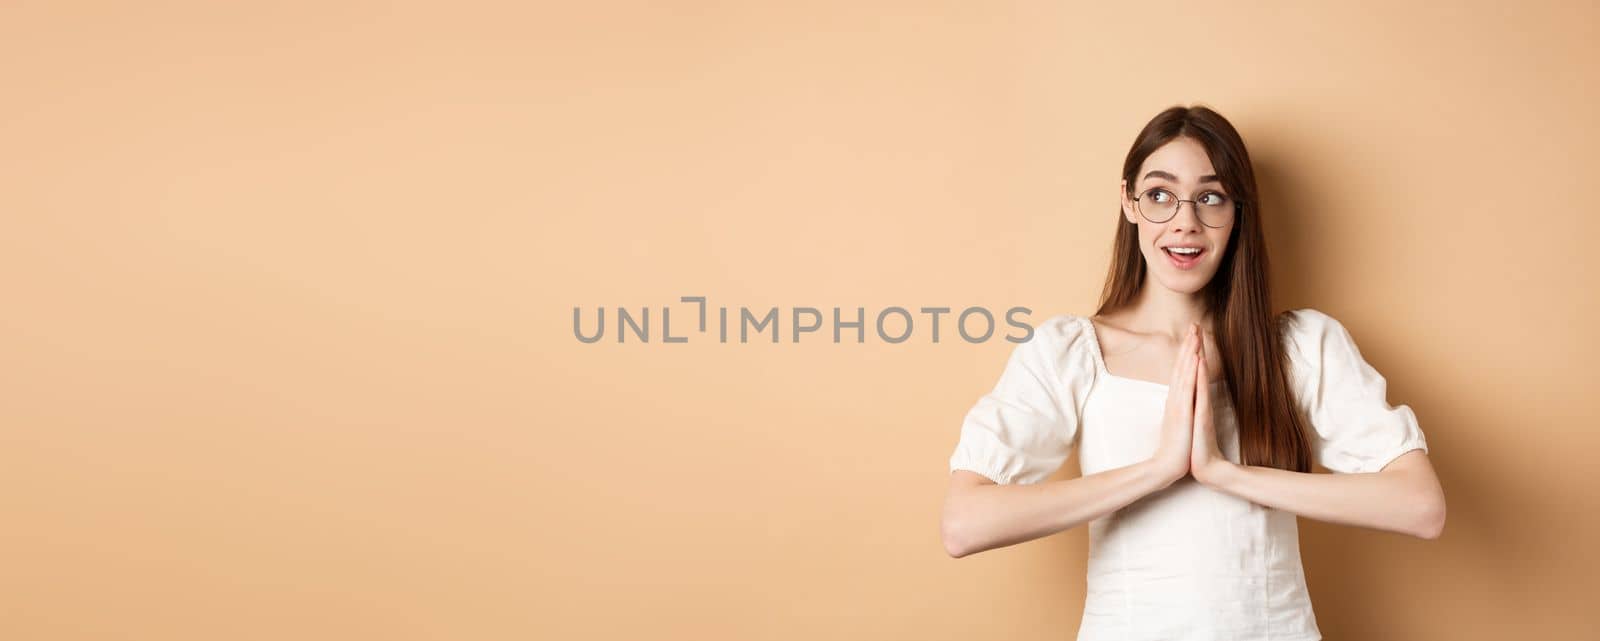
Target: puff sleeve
x=1357 y=430
x=1024 y=429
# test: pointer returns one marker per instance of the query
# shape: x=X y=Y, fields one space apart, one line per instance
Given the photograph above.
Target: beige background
x=288 y=291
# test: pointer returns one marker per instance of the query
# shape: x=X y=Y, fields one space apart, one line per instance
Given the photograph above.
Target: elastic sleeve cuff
x=988 y=459
x=1380 y=460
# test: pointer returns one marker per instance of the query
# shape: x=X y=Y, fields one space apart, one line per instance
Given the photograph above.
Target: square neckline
x=1100 y=361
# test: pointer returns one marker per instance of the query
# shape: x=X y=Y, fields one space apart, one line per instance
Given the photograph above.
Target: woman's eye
x=1160 y=195
x=1213 y=198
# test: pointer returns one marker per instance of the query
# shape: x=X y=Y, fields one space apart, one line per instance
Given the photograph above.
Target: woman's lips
x=1184 y=262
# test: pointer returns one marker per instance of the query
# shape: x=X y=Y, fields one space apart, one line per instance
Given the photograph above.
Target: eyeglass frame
x=1238 y=207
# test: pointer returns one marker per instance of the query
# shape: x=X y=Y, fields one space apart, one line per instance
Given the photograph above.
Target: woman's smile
x=1182 y=260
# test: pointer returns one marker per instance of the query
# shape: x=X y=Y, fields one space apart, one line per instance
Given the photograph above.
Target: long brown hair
x=1250 y=338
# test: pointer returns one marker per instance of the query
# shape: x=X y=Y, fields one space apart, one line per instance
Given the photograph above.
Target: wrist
x=1156 y=474
x=1219 y=473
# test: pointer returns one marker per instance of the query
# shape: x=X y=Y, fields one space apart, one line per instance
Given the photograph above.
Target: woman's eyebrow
x=1157 y=173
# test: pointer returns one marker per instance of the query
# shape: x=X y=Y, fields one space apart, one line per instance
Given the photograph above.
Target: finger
x=1202 y=392
x=1186 y=396
x=1192 y=354
x=1178 y=364
x=1190 y=366
x=1199 y=353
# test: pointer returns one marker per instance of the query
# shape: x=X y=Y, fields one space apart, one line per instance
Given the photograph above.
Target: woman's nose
x=1186 y=217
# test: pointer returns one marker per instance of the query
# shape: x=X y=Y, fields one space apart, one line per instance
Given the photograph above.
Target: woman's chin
x=1186 y=282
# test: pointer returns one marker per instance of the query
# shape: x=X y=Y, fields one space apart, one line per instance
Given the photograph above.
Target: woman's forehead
x=1180 y=160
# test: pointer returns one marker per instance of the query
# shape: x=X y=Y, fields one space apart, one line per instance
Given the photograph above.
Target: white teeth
x=1184 y=250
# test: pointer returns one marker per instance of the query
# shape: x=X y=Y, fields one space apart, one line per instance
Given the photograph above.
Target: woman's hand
x=1205 y=457
x=1174 y=454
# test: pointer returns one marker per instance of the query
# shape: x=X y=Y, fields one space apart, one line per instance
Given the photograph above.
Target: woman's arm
x=1404 y=496
x=980 y=514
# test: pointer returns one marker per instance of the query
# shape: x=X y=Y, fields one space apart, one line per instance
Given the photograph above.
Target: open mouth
x=1183 y=260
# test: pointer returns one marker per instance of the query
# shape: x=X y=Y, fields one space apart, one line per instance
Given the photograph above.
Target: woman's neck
x=1161 y=310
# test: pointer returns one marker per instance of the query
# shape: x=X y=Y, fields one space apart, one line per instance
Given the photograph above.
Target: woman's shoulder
x=1065 y=329
x=1059 y=354
x=1313 y=336
x=1066 y=340
x=1306 y=326
x=1306 y=315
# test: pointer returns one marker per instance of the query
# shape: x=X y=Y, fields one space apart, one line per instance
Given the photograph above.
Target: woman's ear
x=1127 y=203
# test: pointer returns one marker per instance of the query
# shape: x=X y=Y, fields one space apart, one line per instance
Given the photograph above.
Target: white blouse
x=1186 y=562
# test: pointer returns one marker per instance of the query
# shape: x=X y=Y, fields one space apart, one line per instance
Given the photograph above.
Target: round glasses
x=1159 y=205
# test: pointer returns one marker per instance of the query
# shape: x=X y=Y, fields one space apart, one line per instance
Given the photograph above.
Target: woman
x=1190 y=488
